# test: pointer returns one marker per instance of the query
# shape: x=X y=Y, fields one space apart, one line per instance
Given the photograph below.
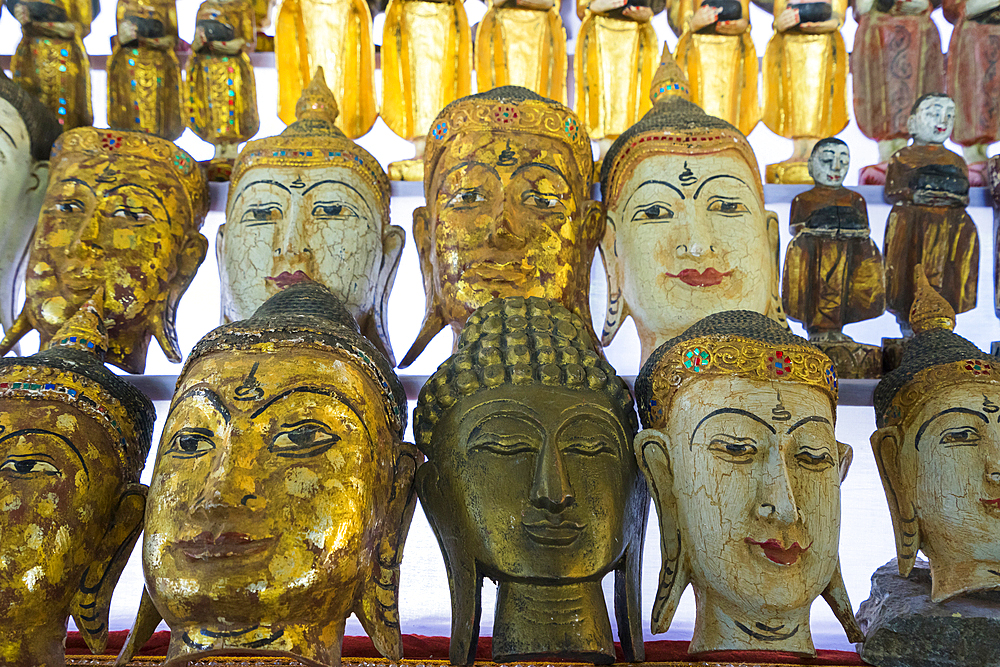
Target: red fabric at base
x=419 y=647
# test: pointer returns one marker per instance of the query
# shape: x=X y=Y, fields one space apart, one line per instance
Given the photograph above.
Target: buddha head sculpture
x=310 y=204
x=938 y=451
x=507 y=183
x=73 y=440
x=122 y=210
x=27 y=131
x=829 y=162
x=687 y=234
x=932 y=119
x=530 y=480
x=741 y=459
x=282 y=490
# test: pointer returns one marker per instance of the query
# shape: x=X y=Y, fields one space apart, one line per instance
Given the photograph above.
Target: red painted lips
x=778 y=554
x=287 y=279
x=205 y=545
x=705 y=278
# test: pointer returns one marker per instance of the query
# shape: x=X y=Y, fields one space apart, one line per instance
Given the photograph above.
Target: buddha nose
x=86 y=236
x=502 y=231
x=294 y=241
x=551 y=489
x=700 y=242
x=227 y=487
x=776 y=499
x=992 y=454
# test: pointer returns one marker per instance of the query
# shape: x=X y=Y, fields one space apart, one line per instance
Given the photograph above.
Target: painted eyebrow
x=208 y=395
x=264 y=181
x=967 y=411
x=729 y=411
x=712 y=178
x=547 y=167
x=469 y=163
x=806 y=420
x=78 y=182
x=42 y=431
x=651 y=182
x=346 y=185
x=14 y=143
x=322 y=391
x=151 y=193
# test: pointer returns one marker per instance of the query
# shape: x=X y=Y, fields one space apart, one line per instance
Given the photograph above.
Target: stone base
x=407 y=170
x=789 y=172
x=904 y=628
x=892 y=353
x=853 y=360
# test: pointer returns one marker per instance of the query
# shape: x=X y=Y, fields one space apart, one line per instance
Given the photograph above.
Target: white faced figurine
x=740 y=454
x=310 y=204
x=931 y=119
x=829 y=162
x=27 y=131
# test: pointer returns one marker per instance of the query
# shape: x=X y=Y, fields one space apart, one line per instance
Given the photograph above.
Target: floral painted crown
x=738 y=343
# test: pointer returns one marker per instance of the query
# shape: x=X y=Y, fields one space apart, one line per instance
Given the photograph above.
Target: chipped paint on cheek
x=33 y=537
x=9 y=503
x=124 y=239
x=31 y=577
x=60 y=237
x=48 y=505
x=301 y=482
x=66 y=422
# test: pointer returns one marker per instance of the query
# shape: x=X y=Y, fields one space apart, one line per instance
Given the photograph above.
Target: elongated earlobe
x=886 y=444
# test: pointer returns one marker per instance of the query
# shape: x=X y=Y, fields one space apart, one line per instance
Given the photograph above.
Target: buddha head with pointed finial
x=687 y=233
x=310 y=204
x=507 y=177
x=938 y=450
x=281 y=489
x=73 y=439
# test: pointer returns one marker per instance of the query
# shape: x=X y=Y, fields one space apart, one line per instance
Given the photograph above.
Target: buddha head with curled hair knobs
x=282 y=489
x=530 y=481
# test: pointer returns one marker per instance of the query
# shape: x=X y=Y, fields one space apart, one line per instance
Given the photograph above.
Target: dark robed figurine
x=530 y=480
x=929 y=187
x=833 y=270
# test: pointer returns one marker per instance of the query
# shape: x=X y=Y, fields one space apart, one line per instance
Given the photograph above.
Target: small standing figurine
x=50 y=61
x=718 y=57
x=530 y=480
x=928 y=186
x=28 y=131
x=896 y=60
x=938 y=453
x=805 y=81
x=144 y=75
x=221 y=90
x=426 y=65
x=122 y=211
x=974 y=79
x=522 y=43
x=833 y=270
x=73 y=440
x=337 y=36
x=282 y=491
x=745 y=470
x=616 y=55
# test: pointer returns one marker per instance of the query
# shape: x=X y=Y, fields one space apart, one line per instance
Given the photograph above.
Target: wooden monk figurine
x=974 y=79
x=896 y=60
x=522 y=43
x=426 y=65
x=144 y=75
x=221 y=89
x=337 y=36
x=50 y=61
x=616 y=56
x=717 y=55
x=740 y=453
x=805 y=81
x=928 y=225
x=833 y=270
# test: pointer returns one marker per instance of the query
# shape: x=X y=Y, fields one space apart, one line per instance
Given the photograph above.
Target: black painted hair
x=43 y=128
x=926 y=96
x=828 y=141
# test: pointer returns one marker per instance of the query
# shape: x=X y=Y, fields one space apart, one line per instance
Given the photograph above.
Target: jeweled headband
x=736 y=343
x=163 y=154
x=507 y=109
x=314 y=140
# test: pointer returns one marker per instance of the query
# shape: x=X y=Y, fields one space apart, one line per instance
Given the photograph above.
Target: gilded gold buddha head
x=507 y=183
x=938 y=451
x=27 y=131
x=740 y=454
x=530 y=480
x=122 y=211
x=73 y=439
x=310 y=204
x=687 y=233
x=282 y=491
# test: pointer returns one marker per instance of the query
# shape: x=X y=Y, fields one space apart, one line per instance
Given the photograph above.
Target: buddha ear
x=220 y=253
x=92 y=601
x=652 y=450
x=464 y=581
x=38 y=180
x=143 y=627
x=617 y=309
x=190 y=257
x=835 y=595
x=433 y=320
x=393 y=240
x=378 y=608
x=628 y=576
x=846 y=457
x=887 y=443
x=774 y=308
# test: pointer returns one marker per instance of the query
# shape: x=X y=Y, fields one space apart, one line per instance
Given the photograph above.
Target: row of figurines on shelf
x=683 y=231
x=282 y=488
x=427 y=61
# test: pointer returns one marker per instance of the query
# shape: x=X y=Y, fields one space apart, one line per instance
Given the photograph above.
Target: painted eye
x=303 y=439
x=465 y=199
x=963 y=436
x=589 y=447
x=653 y=212
x=261 y=215
x=728 y=207
x=332 y=210
x=503 y=448
x=540 y=200
x=815 y=459
x=188 y=445
x=70 y=206
x=732 y=448
x=137 y=215
x=28 y=467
